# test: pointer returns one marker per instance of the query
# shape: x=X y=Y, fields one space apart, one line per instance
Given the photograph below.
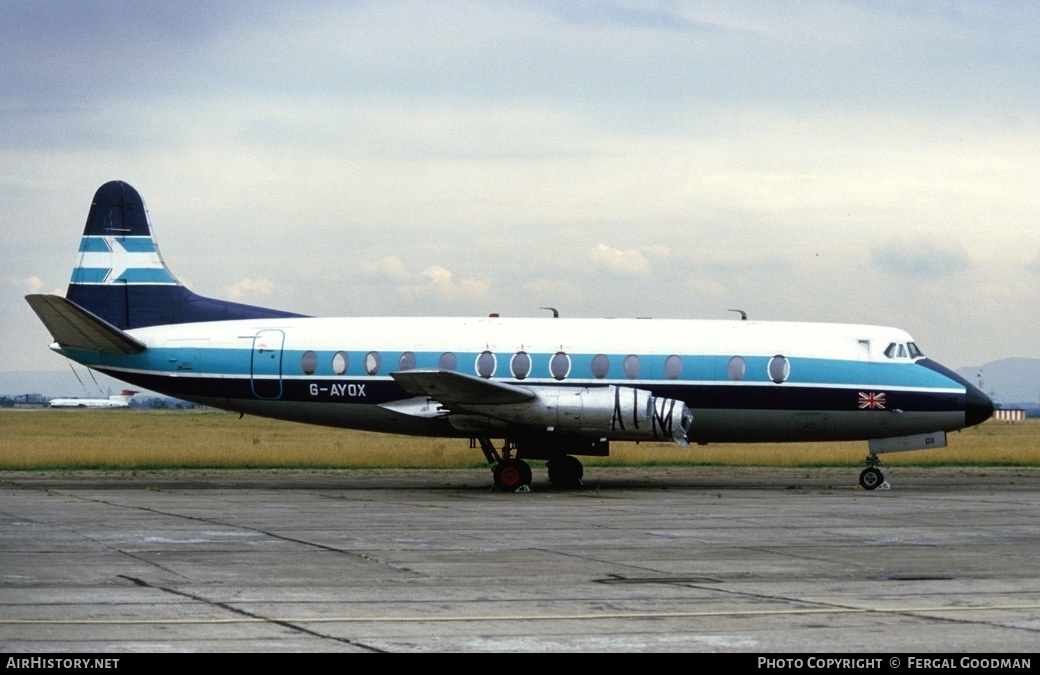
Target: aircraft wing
x=73 y=327
x=449 y=388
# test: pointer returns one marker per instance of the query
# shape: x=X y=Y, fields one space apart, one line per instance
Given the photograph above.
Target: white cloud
x=629 y=262
x=437 y=283
x=388 y=267
x=31 y=284
x=246 y=288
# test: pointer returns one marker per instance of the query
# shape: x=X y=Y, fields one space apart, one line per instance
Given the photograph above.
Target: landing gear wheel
x=565 y=472
x=512 y=475
x=871 y=478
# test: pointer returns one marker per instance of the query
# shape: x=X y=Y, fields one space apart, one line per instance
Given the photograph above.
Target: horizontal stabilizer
x=73 y=327
x=449 y=387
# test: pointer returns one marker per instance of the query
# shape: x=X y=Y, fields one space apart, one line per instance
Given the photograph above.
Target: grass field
x=145 y=439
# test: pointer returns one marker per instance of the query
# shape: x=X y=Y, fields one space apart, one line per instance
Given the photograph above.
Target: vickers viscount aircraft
x=547 y=388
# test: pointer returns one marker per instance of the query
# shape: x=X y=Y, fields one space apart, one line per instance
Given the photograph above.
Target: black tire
x=565 y=472
x=871 y=478
x=512 y=474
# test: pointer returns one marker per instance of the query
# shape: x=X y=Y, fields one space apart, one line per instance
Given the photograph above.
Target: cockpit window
x=902 y=351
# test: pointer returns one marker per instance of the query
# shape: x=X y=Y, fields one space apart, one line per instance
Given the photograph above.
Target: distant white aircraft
x=550 y=388
x=121 y=400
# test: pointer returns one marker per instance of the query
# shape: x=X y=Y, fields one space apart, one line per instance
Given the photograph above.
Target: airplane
x=121 y=400
x=548 y=388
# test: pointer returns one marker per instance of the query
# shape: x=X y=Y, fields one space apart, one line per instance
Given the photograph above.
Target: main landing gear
x=510 y=474
x=872 y=478
x=565 y=471
x=514 y=475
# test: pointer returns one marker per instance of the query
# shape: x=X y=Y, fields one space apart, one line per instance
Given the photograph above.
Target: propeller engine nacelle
x=615 y=413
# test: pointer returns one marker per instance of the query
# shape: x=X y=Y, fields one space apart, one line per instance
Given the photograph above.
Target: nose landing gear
x=872 y=478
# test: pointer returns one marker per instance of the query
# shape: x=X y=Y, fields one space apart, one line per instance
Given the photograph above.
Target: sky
x=855 y=162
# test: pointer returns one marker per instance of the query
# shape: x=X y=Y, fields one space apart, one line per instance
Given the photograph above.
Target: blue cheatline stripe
x=825 y=374
x=696 y=368
x=93 y=245
x=138 y=244
x=140 y=275
x=89 y=275
x=146 y=275
x=129 y=244
x=381 y=390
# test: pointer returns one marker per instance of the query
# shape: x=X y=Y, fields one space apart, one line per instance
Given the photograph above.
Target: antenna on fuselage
x=743 y=314
x=556 y=312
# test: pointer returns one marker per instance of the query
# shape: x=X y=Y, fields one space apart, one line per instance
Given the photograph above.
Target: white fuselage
x=743 y=380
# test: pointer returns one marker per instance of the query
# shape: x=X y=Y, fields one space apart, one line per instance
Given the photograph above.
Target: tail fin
x=121 y=277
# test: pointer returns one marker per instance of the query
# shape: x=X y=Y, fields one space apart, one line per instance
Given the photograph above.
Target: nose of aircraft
x=977 y=406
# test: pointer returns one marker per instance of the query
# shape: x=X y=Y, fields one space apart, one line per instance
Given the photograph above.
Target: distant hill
x=1011 y=383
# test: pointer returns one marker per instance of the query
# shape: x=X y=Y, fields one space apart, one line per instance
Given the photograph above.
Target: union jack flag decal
x=871 y=401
